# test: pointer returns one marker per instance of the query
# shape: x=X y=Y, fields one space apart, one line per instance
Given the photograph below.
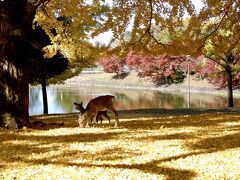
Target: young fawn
x=101 y=103
x=100 y=114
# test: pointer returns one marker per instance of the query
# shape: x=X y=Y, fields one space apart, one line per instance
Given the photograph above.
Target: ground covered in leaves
x=149 y=144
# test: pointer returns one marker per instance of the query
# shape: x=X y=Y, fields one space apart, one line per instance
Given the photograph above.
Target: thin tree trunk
x=229 y=89
x=229 y=75
x=44 y=95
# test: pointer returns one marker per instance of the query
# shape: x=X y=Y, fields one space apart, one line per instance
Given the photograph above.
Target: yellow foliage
x=139 y=25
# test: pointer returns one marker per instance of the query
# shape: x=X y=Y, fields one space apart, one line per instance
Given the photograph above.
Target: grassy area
x=160 y=144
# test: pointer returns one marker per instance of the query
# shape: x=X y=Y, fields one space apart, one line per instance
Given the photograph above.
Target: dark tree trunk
x=229 y=89
x=44 y=95
x=228 y=70
x=15 y=26
x=14 y=95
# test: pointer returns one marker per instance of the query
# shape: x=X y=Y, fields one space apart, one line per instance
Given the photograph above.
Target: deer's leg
x=106 y=116
x=83 y=121
x=101 y=118
x=95 y=117
x=116 y=115
x=89 y=121
x=91 y=118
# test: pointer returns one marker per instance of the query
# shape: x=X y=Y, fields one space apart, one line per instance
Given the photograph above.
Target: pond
x=61 y=99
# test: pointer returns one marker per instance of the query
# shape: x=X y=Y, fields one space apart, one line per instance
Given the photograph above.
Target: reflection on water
x=61 y=99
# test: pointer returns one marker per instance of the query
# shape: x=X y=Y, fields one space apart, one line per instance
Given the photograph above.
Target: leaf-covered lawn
x=147 y=145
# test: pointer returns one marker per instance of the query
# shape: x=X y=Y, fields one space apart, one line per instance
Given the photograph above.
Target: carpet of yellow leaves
x=147 y=145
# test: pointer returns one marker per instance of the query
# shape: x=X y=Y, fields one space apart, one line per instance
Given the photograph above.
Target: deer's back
x=100 y=103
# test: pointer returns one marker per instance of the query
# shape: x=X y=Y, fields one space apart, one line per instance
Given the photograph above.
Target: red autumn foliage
x=160 y=69
x=112 y=64
x=216 y=74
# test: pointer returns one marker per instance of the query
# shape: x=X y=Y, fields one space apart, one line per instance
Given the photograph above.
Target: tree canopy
x=141 y=20
x=136 y=26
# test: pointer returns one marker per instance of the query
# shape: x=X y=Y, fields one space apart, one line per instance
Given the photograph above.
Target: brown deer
x=100 y=114
x=101 y=103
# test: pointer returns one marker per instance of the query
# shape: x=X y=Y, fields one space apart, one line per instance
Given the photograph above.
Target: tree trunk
x=229 y=90
x=14 y=95
x=228 y=70
x=15 y=26
x=44 y=95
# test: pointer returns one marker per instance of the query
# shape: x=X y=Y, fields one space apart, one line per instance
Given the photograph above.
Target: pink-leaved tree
x=216 y=74
x=161 y=69
x=112 y=64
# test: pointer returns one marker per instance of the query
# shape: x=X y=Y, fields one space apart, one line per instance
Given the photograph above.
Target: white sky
x=107 y=36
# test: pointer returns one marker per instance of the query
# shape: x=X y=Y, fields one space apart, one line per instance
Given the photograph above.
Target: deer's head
x=79 y=107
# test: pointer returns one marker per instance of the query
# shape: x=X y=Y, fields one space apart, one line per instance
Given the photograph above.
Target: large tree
x=16 y=17
x=214 y=32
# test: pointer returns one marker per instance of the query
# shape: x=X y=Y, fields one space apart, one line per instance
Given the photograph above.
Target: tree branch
x=216 y=61
x=32 y=5
x=211 y=33
x=148 y=30
x=216 y=29
x=150 y=25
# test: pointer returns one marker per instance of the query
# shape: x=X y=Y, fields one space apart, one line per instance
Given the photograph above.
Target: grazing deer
x=80 y=107
x=101 y=103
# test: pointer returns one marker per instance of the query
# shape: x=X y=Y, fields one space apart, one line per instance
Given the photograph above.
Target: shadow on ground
x=14 y=148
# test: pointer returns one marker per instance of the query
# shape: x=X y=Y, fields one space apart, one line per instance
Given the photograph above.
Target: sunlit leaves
x=218 y=28
x=74 y=22
x=157 y=17
x=146 y=146
x=139 y=25
x=142 y=19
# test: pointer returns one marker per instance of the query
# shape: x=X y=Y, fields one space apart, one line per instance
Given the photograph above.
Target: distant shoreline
x=133 y=82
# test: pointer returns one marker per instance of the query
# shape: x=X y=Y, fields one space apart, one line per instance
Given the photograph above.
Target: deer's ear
x=75 y=103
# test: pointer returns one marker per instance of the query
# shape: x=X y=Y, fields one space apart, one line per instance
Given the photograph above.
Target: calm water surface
x=61 y=99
